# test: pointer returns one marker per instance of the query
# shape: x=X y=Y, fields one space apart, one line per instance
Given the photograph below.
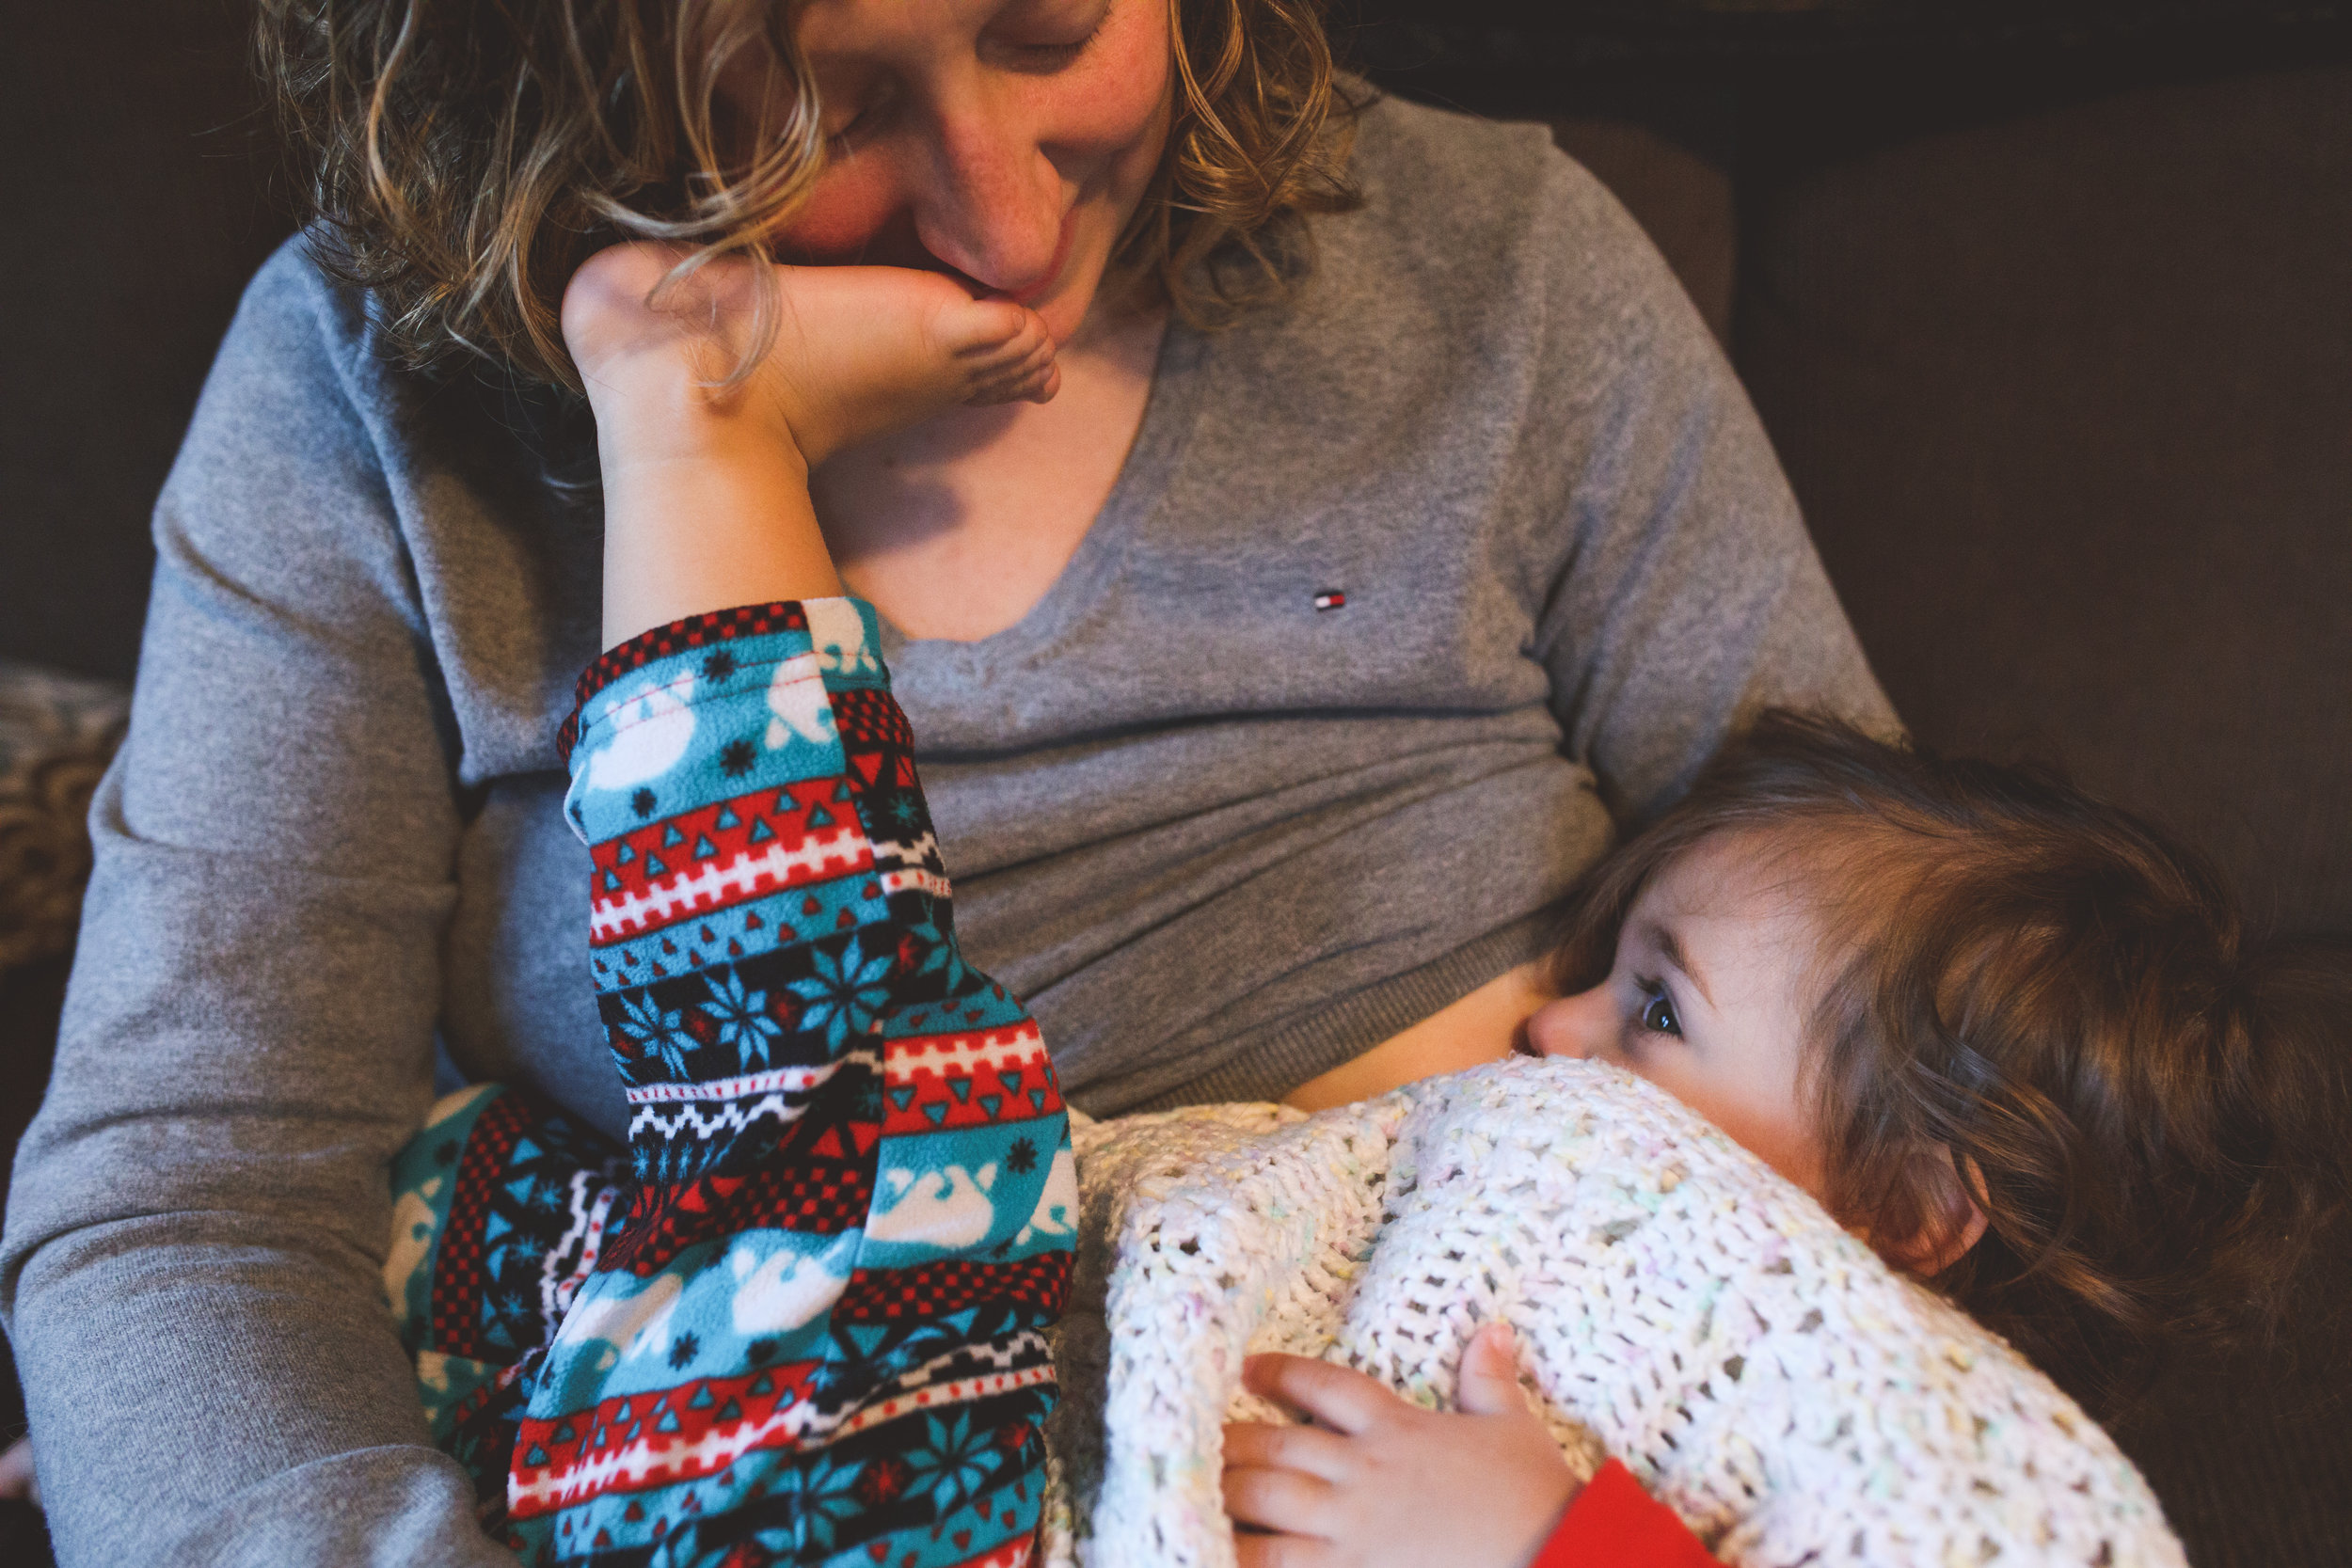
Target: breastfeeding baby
x=2011 y=1037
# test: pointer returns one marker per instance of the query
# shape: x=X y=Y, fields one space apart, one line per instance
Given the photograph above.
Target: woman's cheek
x=1116 y=105
x=1102 y=126
x=852 y=203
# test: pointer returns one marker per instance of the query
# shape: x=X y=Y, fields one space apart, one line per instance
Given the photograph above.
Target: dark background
x=2047 y=305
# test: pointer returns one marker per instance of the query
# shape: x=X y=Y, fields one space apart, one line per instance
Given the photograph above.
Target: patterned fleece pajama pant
x=800 y=1317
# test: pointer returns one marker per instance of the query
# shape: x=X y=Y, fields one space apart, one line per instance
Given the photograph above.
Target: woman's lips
x=905 y=250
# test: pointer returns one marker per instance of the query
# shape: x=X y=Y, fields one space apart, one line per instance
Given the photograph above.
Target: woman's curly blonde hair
x=463 y=159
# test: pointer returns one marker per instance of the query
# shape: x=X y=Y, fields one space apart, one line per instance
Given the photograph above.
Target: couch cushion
x=56 y=735
x=137 y=151
x=2066 y=400
x=1504 y=38
x=1681 y=200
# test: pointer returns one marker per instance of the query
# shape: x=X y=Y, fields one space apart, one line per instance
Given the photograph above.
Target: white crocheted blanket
x=1678 y=1306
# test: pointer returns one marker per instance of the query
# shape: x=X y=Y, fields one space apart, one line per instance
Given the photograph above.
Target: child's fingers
x=1290 y=1501
x=1489 y=1383
x=1308 y=1449
x=1344 y=1401
x=1283 y=1551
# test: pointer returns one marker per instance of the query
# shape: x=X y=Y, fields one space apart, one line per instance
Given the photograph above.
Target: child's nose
x=1581 y=1026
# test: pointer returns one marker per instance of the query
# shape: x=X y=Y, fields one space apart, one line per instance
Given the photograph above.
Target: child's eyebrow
x=1671 y=950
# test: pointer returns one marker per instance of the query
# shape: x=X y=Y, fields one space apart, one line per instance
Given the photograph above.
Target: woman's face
x=1005 y=140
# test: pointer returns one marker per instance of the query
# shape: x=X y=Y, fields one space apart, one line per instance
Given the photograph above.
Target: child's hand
x=1378 y=1484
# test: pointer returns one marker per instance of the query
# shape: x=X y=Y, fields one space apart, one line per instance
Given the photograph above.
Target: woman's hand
x=1379 y=1484
x=705 y=484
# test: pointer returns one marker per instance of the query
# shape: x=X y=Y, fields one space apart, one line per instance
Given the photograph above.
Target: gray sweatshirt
x=1221 y=839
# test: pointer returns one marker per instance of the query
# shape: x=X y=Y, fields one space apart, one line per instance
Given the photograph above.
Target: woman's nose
x=1581 y=1026
x=992 y=206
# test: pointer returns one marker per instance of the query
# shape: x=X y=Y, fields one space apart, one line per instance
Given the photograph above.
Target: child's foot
x=855 y=351
x=864 y=350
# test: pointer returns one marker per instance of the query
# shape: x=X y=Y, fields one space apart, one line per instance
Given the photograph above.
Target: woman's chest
x=963 y=550
x=957 y=529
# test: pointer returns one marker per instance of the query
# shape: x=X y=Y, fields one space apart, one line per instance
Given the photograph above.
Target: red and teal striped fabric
x=806 y=1322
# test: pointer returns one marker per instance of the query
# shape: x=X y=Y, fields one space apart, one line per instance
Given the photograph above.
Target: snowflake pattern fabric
x=804 y=1317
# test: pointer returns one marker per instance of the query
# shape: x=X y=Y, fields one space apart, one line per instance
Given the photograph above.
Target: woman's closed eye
x=871 y=113
x=1047 y=56
x=1038 y=49
x=1049 y=37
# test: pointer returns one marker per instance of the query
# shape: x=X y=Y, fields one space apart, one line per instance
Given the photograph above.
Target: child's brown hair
x=2147 y=1104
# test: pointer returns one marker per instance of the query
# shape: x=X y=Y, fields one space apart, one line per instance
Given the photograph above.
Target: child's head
x=2015 y=1036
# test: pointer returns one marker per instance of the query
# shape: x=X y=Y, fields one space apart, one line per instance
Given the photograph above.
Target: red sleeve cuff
x=1614 y=1524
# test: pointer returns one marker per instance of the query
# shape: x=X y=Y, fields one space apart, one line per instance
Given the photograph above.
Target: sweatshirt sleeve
x=1678 y=593
x=1614 y=1524
x=199 y=1215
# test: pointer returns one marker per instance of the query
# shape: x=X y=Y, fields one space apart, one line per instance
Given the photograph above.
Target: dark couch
x=2048 y=307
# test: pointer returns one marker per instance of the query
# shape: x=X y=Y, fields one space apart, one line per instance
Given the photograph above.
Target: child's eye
x=1658 y=1012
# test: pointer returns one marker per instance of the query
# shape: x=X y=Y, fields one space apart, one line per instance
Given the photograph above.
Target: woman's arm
x=196 y=1234
x=1679 y=591
x=199 y=1216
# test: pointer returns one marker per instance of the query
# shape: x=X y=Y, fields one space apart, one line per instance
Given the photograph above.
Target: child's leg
x=819 y=1331
x=500 y=1209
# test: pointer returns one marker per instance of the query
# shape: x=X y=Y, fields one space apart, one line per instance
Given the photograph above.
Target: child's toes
x=990 y=332
x=1024 y=367
x=1033 y=379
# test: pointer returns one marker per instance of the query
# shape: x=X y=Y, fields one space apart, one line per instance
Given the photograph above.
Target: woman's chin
x=1099 y=305
x=1064 y=310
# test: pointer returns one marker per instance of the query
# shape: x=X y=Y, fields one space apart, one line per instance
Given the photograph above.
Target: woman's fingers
x=1344 y=1401
x=1307 y=1449
x=1289 y=1502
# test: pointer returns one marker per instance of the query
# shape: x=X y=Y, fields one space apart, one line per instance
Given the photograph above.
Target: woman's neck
x=956 y=528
